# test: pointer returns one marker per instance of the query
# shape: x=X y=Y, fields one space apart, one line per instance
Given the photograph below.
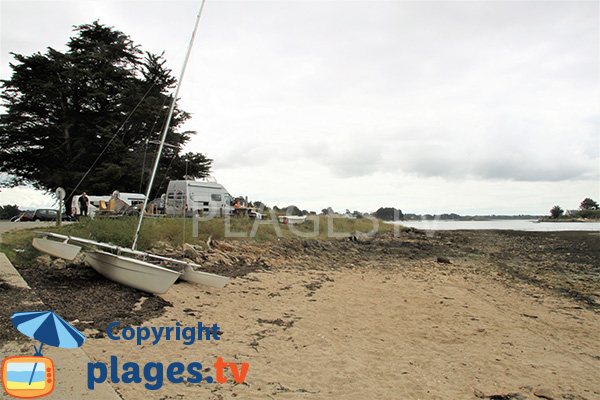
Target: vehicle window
x=51 y=213
x=215 y=197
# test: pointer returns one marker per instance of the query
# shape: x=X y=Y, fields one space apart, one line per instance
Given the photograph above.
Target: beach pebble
x=544 y=393
x=443 y=260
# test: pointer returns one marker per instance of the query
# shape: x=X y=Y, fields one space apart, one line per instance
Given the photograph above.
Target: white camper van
x=207 y=198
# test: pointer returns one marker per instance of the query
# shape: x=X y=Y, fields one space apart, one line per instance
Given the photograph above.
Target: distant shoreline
x=568 y=220
x=532 y=225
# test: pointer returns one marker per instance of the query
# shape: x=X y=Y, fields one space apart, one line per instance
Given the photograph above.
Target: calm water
x=510 y=224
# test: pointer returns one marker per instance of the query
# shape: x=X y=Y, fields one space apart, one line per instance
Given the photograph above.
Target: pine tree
x=103 y=99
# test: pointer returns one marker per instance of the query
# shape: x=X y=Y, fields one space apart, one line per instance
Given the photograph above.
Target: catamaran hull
x=130 y=272
x=203 y=278
x=63 y=250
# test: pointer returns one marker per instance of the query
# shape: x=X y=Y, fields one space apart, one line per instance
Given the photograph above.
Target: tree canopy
x=389 y=214
x=101 y=105
x=8 y=211
x=589 y=204
x=556 y=212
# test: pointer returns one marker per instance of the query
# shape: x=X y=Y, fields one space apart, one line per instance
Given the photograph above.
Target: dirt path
x=7 y=226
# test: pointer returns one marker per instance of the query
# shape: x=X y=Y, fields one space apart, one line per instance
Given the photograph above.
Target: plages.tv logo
x=155 y=374
x=29 y=377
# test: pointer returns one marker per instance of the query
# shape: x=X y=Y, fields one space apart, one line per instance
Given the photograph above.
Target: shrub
x=589 y=214
x=556 y=212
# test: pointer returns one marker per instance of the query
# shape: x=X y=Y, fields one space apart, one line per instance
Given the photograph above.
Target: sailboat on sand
x=134 y=272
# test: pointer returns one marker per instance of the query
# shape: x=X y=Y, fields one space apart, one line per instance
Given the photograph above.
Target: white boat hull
x=292 y=219
x=57 y=249
x=110 y=265
x=130 y=272
x=203 y=278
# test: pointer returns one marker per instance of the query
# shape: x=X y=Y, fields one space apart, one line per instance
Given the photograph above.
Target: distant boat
x=292 y=219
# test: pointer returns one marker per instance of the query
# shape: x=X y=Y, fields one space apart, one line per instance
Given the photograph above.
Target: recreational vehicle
x=206 y=198
x=131 y=199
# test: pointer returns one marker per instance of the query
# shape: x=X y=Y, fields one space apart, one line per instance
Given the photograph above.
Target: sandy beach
x=373 y=334
x=371 y=320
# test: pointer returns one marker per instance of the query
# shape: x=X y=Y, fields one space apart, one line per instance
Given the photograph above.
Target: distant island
x=589 y=211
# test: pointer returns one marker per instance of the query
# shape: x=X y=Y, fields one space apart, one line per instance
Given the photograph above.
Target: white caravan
x=94 y=201
x=205 y=198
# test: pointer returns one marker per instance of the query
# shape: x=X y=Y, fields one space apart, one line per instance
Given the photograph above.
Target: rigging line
x=157 y=155
x=166 y=173
x=164 y=137
x=143 y=165
x=184 y=210
x=149 y=137
x=111 y=140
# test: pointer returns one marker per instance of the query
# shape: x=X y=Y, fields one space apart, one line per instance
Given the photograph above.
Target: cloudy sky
x=474 y=107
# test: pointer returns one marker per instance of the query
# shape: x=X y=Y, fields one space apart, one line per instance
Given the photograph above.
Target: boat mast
x=164 y=135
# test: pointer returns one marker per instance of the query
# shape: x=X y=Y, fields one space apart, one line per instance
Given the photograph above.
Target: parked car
x=17 y=218
x=25 y=216
x=42 y=214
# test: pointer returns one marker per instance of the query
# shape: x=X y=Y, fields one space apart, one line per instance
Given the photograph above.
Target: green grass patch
x=161 y=232
x=18 y=248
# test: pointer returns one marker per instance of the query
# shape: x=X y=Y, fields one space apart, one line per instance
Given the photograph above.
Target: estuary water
x=503 y=224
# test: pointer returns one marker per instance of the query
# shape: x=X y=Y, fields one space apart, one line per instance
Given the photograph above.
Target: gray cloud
x=454 y=92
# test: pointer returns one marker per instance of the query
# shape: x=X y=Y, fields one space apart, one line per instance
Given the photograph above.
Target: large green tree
x=589 y=204
x=92 y=116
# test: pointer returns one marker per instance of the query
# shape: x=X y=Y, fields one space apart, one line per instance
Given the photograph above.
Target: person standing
x=83 y=204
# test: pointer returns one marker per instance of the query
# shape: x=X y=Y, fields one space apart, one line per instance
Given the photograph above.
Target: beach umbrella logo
x=32 y=377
